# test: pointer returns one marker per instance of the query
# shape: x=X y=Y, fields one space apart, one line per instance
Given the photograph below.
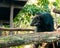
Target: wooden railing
x=15 y=29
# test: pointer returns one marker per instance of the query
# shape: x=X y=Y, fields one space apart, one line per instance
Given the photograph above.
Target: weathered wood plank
x=13 y=40
x=15 y=29
x=7 y=6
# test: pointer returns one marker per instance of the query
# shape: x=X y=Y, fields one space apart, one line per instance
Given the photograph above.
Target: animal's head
x=37 y=20
x=43 y=22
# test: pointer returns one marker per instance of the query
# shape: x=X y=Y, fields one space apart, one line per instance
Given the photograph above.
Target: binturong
x=43 y=22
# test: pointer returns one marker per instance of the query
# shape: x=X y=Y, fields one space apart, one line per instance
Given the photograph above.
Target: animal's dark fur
x=43 y=22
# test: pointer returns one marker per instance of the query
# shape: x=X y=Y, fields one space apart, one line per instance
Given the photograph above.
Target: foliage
x=32 y=9
x=56 y=4
x=44 y=5
x=25 y=15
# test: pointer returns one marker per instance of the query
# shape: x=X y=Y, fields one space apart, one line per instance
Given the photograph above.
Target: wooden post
x=11 y=17
x=1 y=26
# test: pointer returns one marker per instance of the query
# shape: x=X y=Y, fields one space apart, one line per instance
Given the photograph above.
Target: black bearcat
x=43 y=22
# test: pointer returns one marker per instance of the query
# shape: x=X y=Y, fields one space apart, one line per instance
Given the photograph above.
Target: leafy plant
x=25 y=15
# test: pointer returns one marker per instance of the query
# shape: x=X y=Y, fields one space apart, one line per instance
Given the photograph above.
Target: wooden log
x=15 y=40
x=15 y=29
